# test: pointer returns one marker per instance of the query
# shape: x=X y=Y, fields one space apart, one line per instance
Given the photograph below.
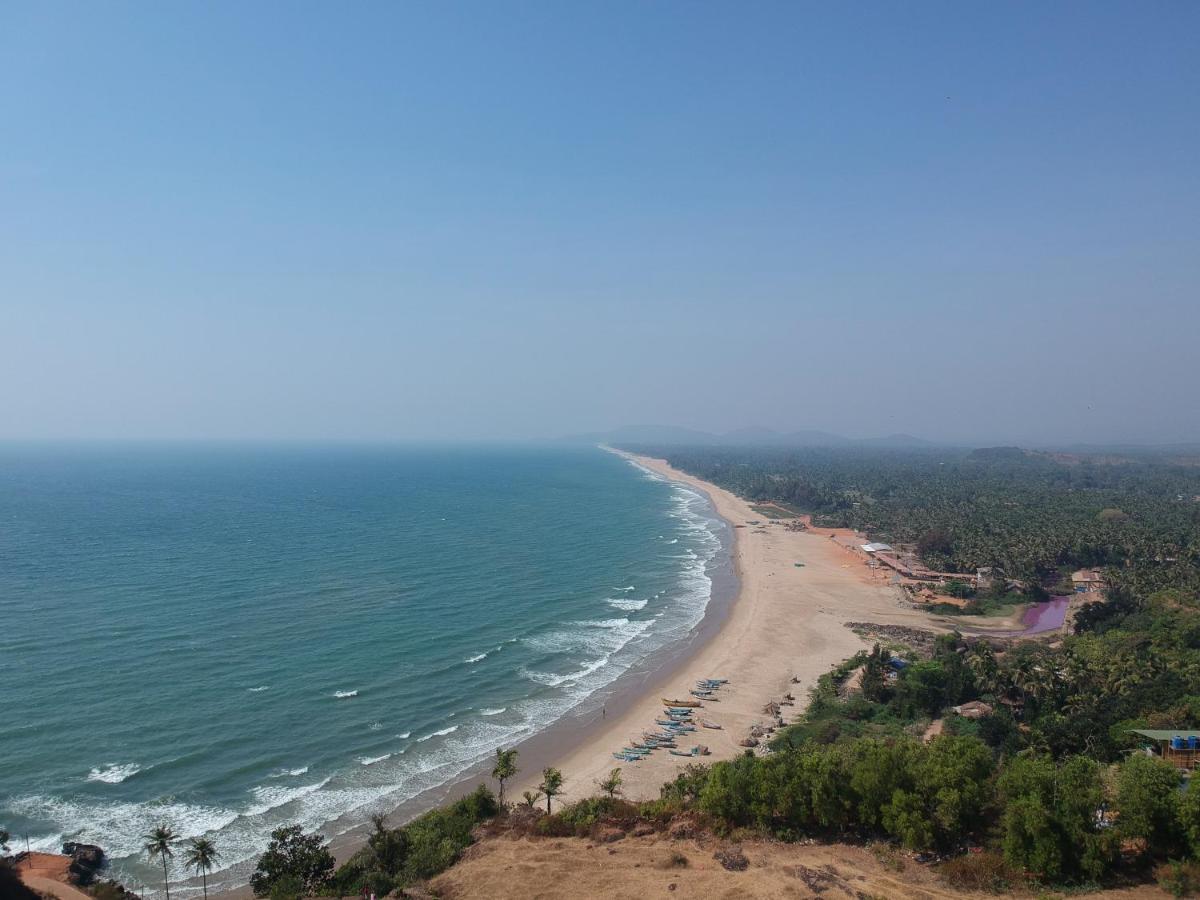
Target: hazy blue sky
x=961 y=220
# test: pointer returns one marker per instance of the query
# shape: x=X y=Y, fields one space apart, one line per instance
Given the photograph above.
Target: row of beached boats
x=677 y=721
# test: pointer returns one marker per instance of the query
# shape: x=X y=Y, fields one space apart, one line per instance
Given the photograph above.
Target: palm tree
x=201 y=855
x=612 y=784
x=505 y=768
x=551 y=786
x=158 y=843
x=530 y=797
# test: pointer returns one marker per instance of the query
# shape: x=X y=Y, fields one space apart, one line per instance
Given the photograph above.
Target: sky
x=470 y=221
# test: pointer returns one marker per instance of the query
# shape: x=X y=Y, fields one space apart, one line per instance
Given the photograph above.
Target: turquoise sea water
x=229 y=638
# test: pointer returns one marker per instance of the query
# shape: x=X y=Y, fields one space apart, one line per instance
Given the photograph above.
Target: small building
x=976 y=709
x=1180 y=748
x=876 y=547
x=1087 y=581
x=985 y=575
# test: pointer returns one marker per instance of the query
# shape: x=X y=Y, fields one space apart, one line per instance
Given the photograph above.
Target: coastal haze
x=386 y=388
x=968 y=224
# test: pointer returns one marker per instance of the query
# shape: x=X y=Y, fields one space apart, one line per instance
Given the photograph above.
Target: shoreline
x=767 y=621
x=785 y=628
x=577 y=729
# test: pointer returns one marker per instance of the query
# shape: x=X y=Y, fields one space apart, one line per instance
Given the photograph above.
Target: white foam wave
x=271 y=797
x=493 y=712
x=476 y=658
x=114 y=773
x=375 y=726
x=625 y=590
x=602 y=623
x=259 y=689
x=284 y=773
x=602 y=637
x=405 y=735
x=552 y=680
x=371 y=760
x=241 y=830
x=627 y=605
x=444 y=731
x=342 y=695
x=116 y=825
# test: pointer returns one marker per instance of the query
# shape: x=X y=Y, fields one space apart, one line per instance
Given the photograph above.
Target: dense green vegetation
x=1043 y=783
x=396 y=857
x=1035 y=515
x=295 y=864
x=1047 y=785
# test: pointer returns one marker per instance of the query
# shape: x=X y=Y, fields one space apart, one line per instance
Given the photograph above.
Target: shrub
x=985 y=871
x=294 y=863
x=732 y=858
x=1148 y=802
x=687 y=786
x=1179 y=879
x=421 y=849
x=675 y=860
x=581 y=818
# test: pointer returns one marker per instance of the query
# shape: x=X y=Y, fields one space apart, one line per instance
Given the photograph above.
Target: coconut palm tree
x=612 y=784
x=505 y=768
x=201 y=855
x=551 y=786
x=158 y=843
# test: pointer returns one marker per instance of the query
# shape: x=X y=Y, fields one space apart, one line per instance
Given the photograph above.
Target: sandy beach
x=786 y=621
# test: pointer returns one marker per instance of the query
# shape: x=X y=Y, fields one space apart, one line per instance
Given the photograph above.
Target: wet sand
x=786 y=622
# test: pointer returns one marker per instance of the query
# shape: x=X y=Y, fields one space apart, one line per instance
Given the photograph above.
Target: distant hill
x=670 y=435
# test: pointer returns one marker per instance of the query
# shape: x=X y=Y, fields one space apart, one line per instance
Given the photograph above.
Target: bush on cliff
x=395 y=857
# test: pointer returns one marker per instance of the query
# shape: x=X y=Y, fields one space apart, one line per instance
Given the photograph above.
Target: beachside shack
x=1179 y=748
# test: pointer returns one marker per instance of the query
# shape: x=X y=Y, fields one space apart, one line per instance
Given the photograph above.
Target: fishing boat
x=703 y=695
x=708 y=724
x=691 y=704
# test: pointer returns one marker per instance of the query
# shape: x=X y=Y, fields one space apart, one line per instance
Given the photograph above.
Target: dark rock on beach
x=86 y=861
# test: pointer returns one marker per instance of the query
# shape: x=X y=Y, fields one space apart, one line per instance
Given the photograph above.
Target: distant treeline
x=1035 y=515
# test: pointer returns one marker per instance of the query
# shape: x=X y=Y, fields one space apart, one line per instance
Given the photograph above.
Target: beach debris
x=748 y=742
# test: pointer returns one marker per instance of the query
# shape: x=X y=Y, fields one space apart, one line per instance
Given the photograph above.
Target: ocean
x=229 y=638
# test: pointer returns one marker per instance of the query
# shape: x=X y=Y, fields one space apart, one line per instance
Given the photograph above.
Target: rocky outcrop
x=86 y=861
